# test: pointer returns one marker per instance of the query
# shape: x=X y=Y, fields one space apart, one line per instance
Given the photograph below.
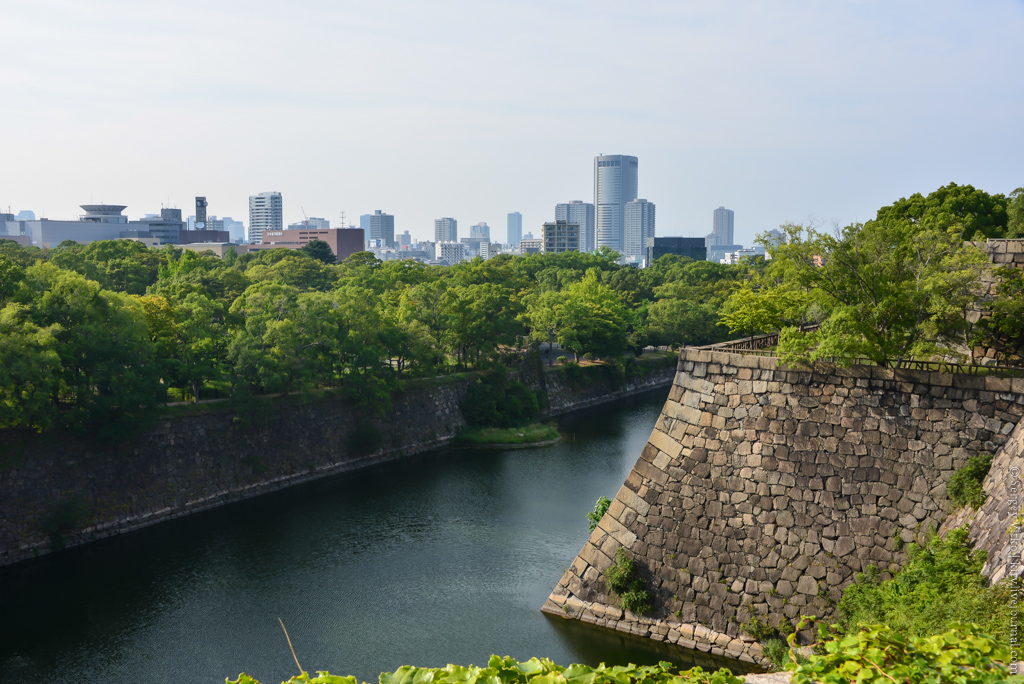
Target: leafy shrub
x=757 y=629
x=621 y=577
x=965 y=486
x=62 y=518
x=880 y=655
x=589 y=356
x=776 y=651
x=494 y=401
x=562 y=359
x=594 y=517
x=941 y=585
x=533 y=671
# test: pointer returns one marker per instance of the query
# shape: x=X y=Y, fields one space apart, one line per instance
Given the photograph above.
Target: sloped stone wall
x=763 y=490
x=997 y=527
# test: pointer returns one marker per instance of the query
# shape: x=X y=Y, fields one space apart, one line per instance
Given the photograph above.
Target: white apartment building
x=265 y=213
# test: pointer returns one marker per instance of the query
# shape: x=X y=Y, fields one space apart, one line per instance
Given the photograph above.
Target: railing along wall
x=758 y=346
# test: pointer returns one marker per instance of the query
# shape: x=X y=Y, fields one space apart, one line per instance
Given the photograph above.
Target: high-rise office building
x=583 y=214
x=639 y=227
x=265 y=213
x=446 y=230
x=615 y=184
x=480 y=230
x=720 y=241
x=382 y=227
x=515 y=228
x=405 y=239
x=723 y=226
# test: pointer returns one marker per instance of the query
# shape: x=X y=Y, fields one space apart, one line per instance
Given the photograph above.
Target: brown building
x=344 y=242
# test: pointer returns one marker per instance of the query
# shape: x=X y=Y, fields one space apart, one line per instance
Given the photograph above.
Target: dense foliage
x=941 y=585
x=900 y=286
x=496 y=401
x=881 y=655
x=534 y=671
x=101 y=334
x=872 y=655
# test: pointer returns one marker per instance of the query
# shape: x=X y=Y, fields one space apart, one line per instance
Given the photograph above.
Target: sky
x=783 y=111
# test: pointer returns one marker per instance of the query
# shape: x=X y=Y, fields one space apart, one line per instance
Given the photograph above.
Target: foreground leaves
x=534 y=671
x=877 y=655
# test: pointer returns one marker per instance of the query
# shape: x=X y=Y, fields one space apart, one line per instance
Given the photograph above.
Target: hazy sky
x=780 y=110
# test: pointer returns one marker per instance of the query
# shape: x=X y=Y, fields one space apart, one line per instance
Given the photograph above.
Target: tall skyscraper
x=382 y=227
x=722 y=230
x=446 y=230
x=615 y=184
x=515 y=228
x=583 y=214
x=639 y=227
x=265 y=213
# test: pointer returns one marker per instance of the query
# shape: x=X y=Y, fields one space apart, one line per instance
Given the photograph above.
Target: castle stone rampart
x=763 y=490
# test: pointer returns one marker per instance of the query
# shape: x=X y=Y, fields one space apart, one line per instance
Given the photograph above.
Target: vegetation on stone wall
x=623 y=578
x=494 y=400
x=940 y=586
x=600 y=508
x=964 y=487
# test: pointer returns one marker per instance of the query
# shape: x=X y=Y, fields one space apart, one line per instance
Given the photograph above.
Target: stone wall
x=763 y=490
x=997 y=527
x=190 y=463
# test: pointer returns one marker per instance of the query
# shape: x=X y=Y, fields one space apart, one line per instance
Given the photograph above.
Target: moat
x=440 y=558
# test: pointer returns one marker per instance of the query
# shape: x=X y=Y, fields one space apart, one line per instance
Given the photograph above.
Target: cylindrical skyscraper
x=615 y=184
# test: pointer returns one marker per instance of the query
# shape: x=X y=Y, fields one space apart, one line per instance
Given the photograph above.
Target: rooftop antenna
x=343 y=224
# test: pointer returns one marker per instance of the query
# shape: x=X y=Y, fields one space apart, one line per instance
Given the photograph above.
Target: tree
x=201 y=341
x=975 y=213
x=11 y=274
x=1015 y=214
x=296 y=270
x=256 y=357
x=109 y=377
x=593 y=319
x=319 y=250
x=892 y=289
x=29 y=371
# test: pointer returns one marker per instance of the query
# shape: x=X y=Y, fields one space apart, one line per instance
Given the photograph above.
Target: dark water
x=442 y=558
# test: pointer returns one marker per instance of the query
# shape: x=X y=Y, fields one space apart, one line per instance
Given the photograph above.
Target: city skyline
x=868 y=119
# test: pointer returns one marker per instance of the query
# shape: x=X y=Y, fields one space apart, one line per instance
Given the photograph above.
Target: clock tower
x=200 y=213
